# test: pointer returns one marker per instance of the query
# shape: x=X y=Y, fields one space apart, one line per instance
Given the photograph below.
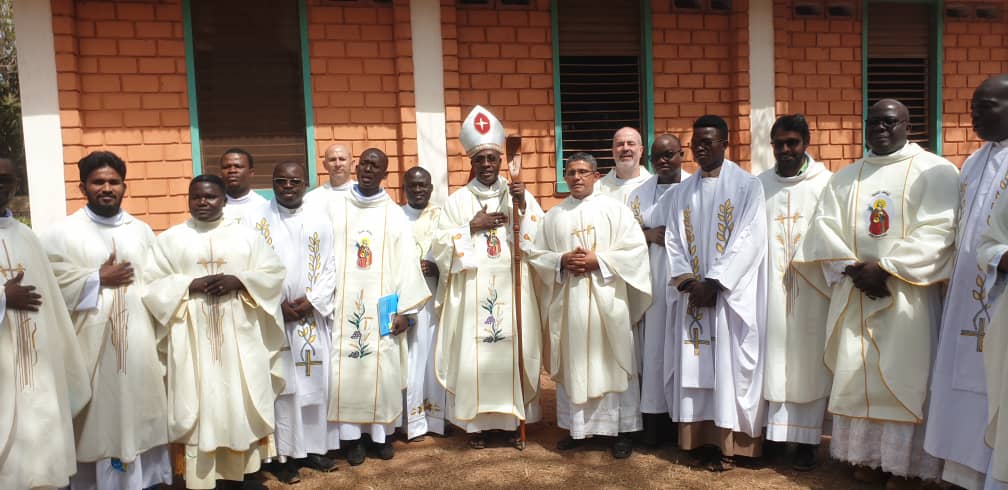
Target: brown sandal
x=477 y=442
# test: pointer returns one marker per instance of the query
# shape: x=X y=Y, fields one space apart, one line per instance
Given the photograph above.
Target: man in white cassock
x=650 y=207
x=43 y=375
x=101 y=256
x=376 y=258
x=627 y=150
x=425 y=397
x=796 y=383
x=237 y=169
x=338 y=161
x=883 y=235
x=215 y=292
x=990 y=121
x=595 y=289
x=716 y=243
x=477 y=361
x=301 y=235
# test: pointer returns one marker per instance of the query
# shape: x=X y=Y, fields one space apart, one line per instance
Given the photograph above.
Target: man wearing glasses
x=716 y=244
x=650 y=207
x=883 y=233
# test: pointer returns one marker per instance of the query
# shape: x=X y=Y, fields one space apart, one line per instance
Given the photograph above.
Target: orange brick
x=105 y=119
x=121 y=101
x=154 y=30
x=133 y=119
x=97 y=47
x=134 y=11
x=161 y=101
x=137 y=47
x=157 y=65
x=116 y=29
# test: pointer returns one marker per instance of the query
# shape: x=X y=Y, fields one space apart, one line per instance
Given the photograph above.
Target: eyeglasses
x=668 y=155
x=708 y=144
x=886 y=122
x=284 y=182
x=577 y=172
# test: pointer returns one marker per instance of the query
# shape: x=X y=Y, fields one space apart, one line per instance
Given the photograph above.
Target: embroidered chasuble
x=43 y=375
x=651 y=207
x=425 y=397
x=956 y=420
x=302 y=239
x=243 y=209
x=375 y=256
x=128 y=410
x=619 y=189
x=899 y=210
x=717 y=230
x=592 y=317
x=476 y=354
x=224 y=368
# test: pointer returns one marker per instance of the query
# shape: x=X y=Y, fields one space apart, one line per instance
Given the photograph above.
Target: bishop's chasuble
x=128 y=414
x=619 y=189
x=796 y=382
x=224 y=369
x=899 y=210
x=425 y=397
x=650 y=205
x=957 y=412
x=717 y=230
x=476 y=353
x=43 y=377
x=593 y=317
x=302 y=238
x=375 y=257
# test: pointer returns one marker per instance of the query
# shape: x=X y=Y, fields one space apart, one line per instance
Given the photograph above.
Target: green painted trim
x=190 y=61
x=561 y=185
x=937 y=60
x=309 y=108
x=648 y=68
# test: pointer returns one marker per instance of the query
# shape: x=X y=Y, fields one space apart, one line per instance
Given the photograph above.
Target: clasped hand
x=702 y=292
x=216 y=285
x=579 y=261
x=297 y=309
x=870 y=278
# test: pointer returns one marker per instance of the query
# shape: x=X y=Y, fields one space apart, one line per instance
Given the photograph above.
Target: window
x=900 y=65
x=598 y=69
x=248 y=78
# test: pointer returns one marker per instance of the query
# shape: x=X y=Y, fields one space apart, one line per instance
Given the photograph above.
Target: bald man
x=338 y=161
x=627 y=150
x=958 y=411
x=883 y=234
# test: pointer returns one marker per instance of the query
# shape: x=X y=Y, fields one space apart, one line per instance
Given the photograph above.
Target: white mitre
x=481 y=131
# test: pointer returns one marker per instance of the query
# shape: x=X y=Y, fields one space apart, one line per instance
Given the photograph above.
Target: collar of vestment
x=499 y=188
x=414 y=213
x=644 y=174
x=7 y=218
x=202 y=226
x=575 y=201
x=248 y=197
x=284 y=210
x=811 y=169
x=118 y=220
x=363 y=201
x=340 y=188
x=909 y=150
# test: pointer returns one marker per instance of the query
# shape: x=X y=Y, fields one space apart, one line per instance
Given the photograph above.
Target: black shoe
x=649 y=436
x=568 y=443
x=318 y=462
x=356 y=453
x=805 y=457
x=385 y=451
x=623 y=447
x=252 y=482
x=774 y=451
x=285 y=472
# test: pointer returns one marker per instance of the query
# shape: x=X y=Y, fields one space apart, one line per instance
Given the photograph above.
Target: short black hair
x=792 y=122
x=712 y=121
x=582 y=156
x=239 y=151
x=418 y=170
x=295 y=163
x=100 y=159
x=208 y=178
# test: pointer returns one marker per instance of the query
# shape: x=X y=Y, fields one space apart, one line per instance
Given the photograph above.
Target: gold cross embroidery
x=582 y=236
x=696 y=341
x=11 y=270
x=212 y=311
x=25 y=330
x=979 y=333
x=308 y=363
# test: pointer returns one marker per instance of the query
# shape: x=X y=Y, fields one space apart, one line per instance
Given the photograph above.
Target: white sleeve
x=833 y=270
x=605 y=271
x=90 y=294
x=3 y=305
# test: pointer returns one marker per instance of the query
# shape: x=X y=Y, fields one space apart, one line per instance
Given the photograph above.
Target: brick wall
x=818 y=73
x=122 y=88
x=973 y=51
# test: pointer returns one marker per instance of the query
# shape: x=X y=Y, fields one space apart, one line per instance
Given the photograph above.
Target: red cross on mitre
x=482 y=123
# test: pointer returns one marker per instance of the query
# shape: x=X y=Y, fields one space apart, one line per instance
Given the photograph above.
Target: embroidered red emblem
x=482 y=123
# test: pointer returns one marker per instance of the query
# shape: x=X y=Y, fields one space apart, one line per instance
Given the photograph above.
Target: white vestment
x=302 y=238
x=992 y=246
x=899 y=210
x=957 y=415
x=617 y=188
x=796 y=381
x=375 y=257
x=224 y=369
x=128 y=414
x=717 y=230
x=592 y=317
x=321 y=195
x=243 y=209
x=650 y=203
x=425 y=397
x=476 y=353
x=43 y=375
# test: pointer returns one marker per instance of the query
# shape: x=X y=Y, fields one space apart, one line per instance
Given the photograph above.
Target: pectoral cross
x=696 y=341
x=11 y=270
x=308 y=362
x=979 y=333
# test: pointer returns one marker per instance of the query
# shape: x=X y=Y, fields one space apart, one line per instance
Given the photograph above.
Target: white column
x=428 y=79
x=43 y=139
x=762 y=89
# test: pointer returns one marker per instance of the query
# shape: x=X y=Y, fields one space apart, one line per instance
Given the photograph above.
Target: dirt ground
x=448 y=462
